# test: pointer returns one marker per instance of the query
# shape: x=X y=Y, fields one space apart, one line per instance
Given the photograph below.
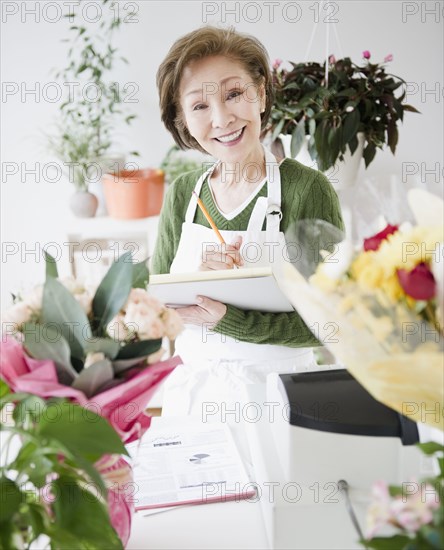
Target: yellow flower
x=367 y=271
x=392 y=288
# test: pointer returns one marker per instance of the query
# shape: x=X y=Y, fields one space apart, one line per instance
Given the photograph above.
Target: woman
x=216 y=96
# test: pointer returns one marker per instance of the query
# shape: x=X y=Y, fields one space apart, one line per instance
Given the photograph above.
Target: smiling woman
x=216 y=96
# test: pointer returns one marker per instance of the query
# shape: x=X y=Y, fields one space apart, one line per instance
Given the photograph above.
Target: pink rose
x=419 y=283
x=388 y=58
x=366 y=54
x=277 y=63
x=373 y=243
x=332 y=59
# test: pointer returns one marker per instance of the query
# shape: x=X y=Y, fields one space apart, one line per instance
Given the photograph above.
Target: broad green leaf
x=139 y=349
x=10 y=498
x=350 y=126
x=392 y=136
x=31 y=408
x=113 y=291
x=387 y=543
x=51 y=266
x=4 y=388
x=433 y=535
x=141 y=275
x=106 y=345
x=297 y=138
x=81 y=431
x=278 y=129
x=91 y=379
x=369 y=153
x=45 y=342
x=61 y=309
x=431 y=447
x=79 y=512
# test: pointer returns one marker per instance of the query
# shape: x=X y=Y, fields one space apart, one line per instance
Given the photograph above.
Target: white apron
x=216 y=367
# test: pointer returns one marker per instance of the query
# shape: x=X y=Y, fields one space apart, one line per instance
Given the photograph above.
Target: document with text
x=193 y=464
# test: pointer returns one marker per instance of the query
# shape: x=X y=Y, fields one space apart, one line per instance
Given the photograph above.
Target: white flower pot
x=343 y=174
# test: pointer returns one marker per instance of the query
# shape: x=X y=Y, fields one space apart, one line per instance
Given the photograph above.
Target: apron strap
x=269 y=207
x=192 y=205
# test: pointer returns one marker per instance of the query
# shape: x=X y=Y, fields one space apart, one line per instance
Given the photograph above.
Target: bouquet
x=99 y=348
x=379 y=309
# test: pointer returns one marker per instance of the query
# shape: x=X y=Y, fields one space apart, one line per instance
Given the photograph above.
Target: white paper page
x=190 y=464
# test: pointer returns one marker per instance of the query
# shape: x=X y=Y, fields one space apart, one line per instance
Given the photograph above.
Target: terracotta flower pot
x=134 y=194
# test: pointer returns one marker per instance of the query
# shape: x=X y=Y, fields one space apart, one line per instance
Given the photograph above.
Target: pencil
x=211 y=222
x=209 y=219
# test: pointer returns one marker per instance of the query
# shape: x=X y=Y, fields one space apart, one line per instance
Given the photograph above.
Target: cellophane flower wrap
x=379 y=309
x=100 y=348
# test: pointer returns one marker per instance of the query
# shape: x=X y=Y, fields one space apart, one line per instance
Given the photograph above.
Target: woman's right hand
x=224 y=256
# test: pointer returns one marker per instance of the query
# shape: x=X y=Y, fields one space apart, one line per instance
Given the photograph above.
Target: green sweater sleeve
x=306 y=194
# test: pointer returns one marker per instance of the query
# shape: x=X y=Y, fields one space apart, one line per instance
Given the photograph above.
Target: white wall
x=36 y=212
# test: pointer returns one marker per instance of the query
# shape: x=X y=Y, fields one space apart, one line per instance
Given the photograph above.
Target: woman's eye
x=234 y=94
x=199 y=107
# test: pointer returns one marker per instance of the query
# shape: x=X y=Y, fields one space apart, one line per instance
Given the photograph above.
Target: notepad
x=253 y=288
x=188 y=464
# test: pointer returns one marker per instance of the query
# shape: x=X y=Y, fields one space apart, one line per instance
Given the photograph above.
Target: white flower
x=379 y=512
x=93 y=357
x=172 y=322
x=18 y=314
x=116 y=328
x=416 y=510
x=34 y=298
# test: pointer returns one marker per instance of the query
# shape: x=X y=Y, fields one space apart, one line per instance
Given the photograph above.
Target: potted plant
x=54 y=478
x=92 y=107
x=334 y=106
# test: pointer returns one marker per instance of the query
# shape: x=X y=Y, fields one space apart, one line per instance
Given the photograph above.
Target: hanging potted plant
x=92 y=108
x=335 y=109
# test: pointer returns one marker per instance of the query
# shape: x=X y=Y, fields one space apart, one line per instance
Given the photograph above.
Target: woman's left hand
x=206 y=312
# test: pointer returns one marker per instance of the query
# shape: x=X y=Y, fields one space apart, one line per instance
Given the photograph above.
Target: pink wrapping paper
x=122 y=405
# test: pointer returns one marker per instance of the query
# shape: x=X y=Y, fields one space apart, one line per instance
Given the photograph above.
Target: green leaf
x=61 y=309
x=411 y=109
x=51 y=266
x=113 y=291
x=350 y=126
x=31 y=408
x=139 y=349
x=369 y=153
x=430 y=448
x=278 y=129
x=4 y=388
x=79 y=512
x=105 y=345
x=433 y=535
x=387 y=543
x=45 y=342
x=91 y=379
x=10 y=498
x=141 y=275
x=297 y=138
x=392 y=136
x=81 y=431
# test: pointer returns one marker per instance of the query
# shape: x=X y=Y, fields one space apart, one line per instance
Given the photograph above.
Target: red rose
x=373 y=243
x=418 y=283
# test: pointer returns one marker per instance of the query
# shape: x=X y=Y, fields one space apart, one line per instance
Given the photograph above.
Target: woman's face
x=221 y=107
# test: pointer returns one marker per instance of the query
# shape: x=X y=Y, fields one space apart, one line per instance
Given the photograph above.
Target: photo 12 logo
x=81 y=11
x=271 y=12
